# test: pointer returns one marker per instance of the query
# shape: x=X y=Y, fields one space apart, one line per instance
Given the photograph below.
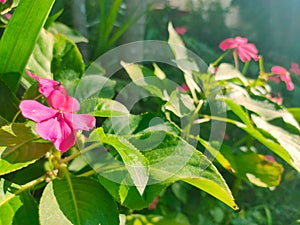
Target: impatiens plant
x=86 y=147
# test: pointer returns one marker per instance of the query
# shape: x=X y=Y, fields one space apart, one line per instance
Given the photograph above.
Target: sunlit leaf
x=191 y=166
x=60 y=28
x=19 y=38
x=19 y=148
x=103 y=107
x=41 y=57
x=20 y=209
x=77 y=201
x=135 y=162
x=180 y=104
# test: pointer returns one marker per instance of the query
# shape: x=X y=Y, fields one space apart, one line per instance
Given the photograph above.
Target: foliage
x=140 y=164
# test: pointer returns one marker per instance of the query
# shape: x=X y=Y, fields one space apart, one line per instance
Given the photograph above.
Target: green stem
x=245 y=68
x=215 y=63
x=261 y=65
x=87 y=149
x=24 y=188
x=187 y=128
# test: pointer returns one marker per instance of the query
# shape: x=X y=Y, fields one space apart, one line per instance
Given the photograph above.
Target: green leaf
x=60 y=28
x=19 y=38
x=290 y=142
x=103 y=107
x=257 y=169
x=94 y=86
x=251 y=167
x=173 y=159
x=77 y=201
x=137 y=123
x=296 y=113
x=135 y=162
x=10 y=101
x=291 y=156
x=180 y=104
x=128 y=195
x=229 y=72
x=266 y=109
x=145 y=78
x=3 y=121
x=41 y=57
x=20 y=209
x=176 y=44
x=158 y=72
x=18 y=148
x=67 y=60
x=183 y=61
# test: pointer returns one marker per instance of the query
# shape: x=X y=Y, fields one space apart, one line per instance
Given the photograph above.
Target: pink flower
x=153 y=204
x=2 y=1
x=276 y=99
x=59 y=123
x=180 y=30
x=224 y=135
x=8 y=16
x=245 y=50
x=284 y=75
x=183 y=88
x=269 y=158
x=295 y=68
x=47 y=86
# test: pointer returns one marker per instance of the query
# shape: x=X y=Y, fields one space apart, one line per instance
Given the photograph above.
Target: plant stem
x=236 y=59
x=187 y=128
x=245 y=68
x=24 y=188
x=215 y=63
x=89 y=148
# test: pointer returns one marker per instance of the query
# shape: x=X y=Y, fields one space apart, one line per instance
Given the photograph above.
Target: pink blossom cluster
x=295 y=68
x=56 y=123
x=247 y=51
x=281 y=74
x=240 y=45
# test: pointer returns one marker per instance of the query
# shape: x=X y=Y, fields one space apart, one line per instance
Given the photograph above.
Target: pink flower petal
x=284 y=76
x=49 y=129
x=67 y=139
x=81 y=121
x=295 y=68
x=36 y=111
x=2 y=1
x=8 y=16
x=153 y=205
x=47 y=86
x=288 y=82
x=245 y=50
x=227 y=44
x=59 y=101
x=183 y=88
x=65 y=144
x=279 y=70
x=269 y=158
x=180 y=30
x=240 y=40
x=56 y=99
x=243 y=55
x=276 y=79
x=71 y=105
